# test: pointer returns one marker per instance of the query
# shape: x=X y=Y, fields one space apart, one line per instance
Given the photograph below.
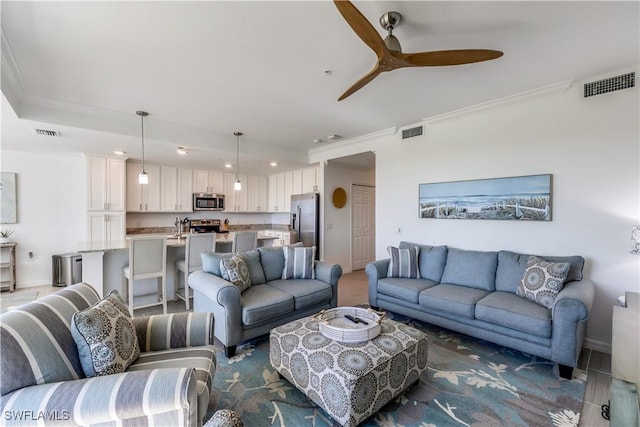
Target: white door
x=363 y=226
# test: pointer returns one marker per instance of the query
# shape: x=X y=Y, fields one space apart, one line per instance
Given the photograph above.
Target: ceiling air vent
x=611 y=84
x=46 y=132
x=410 y=133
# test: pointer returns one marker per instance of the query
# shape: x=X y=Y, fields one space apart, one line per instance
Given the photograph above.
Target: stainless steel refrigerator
x=305 y=219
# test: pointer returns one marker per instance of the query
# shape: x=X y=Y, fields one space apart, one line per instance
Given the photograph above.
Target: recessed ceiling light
x=228 y=165
x=317 y=141
x=181 y=150
x=118 y=152
x=274 y=164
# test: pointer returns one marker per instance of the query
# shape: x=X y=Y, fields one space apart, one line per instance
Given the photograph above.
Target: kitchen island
x=102 y=262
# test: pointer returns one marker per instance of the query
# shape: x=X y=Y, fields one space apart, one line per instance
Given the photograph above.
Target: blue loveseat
x=474 y=293
x=43 y=382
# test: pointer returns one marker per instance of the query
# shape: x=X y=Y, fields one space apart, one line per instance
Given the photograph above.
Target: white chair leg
x=130 y=295
x=186 y=291
x=164 y=294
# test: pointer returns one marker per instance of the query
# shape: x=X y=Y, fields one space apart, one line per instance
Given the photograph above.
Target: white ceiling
x=207 y=68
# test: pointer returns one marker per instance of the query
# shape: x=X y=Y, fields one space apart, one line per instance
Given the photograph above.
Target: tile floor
x=353 y=290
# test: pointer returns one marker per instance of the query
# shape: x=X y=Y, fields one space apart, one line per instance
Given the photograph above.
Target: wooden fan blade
x=361 y=83
x=450 y=57
x=361 y=26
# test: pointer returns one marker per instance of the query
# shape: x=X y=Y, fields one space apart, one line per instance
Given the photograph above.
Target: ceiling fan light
x=143 y=178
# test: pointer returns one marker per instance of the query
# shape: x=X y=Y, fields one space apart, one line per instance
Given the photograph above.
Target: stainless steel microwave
x=208 y=202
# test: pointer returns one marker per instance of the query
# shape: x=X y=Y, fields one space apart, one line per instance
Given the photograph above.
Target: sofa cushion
x=235 y=270
x=261 y=303
x=272 y=260
x=305 y=292
x=201 y=359
x=106 y=338
x=256 y=272
x=542 y=281
x=474 y=269
x=299 y=262
x=460 y=300
x=511 y=266
x=431 y=260
x=509 y=310
x=405 y=289
x=211 y=262
x=403 y=262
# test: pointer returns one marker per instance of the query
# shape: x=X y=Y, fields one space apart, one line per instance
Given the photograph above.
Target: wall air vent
x=46 y=132
x=611 y=84
x=410 y=133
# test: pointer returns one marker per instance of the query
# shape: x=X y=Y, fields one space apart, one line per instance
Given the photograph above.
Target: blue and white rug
x=469 y=382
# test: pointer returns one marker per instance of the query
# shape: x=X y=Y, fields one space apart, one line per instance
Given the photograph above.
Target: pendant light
x=143 y=178
x=238 y=185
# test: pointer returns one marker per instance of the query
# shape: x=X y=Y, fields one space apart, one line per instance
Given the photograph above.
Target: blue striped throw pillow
x=299 y=262
x=404 y=262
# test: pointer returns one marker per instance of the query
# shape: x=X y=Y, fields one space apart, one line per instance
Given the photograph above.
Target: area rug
x=469 y=382
x=9 y=301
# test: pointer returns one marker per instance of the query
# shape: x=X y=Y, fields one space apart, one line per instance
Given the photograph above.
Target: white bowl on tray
x=337 y=324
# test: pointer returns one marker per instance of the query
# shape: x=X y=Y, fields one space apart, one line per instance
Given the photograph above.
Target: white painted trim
x=600 y=346
x=559 y=87
x=356 y=145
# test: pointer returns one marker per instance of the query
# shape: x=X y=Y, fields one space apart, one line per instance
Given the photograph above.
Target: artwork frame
x=8 y=198
x=520 y=198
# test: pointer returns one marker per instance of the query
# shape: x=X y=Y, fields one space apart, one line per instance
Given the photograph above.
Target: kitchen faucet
x=178 y=225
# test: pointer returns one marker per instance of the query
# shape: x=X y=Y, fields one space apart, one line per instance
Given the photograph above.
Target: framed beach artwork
x=8 y=198
x=521 y=198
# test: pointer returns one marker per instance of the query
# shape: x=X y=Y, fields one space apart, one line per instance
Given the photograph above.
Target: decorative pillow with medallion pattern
x=105 y=336
x=236 y=271
x=543 y=281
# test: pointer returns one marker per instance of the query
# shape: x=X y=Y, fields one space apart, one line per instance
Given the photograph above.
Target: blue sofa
x=268 y=303
x=474 y=293
x=43 y=382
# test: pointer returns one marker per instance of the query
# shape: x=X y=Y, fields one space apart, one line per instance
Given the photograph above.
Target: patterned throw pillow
x=404 y=262
x=105 y=336
x=543 y=281
x=299 y=262
x=235 y=270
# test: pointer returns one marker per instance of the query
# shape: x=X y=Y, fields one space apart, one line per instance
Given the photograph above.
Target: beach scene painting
x=522 y=198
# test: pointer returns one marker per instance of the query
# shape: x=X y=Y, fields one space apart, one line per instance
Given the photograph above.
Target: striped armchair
x=41 y=379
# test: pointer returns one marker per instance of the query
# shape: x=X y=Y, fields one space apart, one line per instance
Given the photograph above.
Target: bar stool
x=196 y=244
x=244 y=241
x=147 y=260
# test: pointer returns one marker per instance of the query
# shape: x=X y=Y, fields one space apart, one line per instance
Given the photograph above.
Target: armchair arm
x=216 y=295
x=375 y=271
x=149 y=397
x=329 y=273
x=569 y=317
x=165 y=331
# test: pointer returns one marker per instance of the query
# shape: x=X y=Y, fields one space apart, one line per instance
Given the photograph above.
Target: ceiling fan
x=389 y=52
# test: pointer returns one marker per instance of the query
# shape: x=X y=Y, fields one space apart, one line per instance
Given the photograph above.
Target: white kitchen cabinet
x=208 y=181
x=235 y=200
x=106 y=226
x=309 y=180
x=296 y=176
x=288 y=191
x=276 y=192
x=143 y=197
x=105 y=184
x=176 y=189
x=257 y=194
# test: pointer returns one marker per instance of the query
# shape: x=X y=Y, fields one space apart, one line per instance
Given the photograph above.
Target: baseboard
x=600 y=346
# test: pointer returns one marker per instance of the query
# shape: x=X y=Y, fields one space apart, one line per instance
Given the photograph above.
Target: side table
x=8 y=262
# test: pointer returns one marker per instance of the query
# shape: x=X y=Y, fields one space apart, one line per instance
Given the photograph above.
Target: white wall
x=591 y=146
x=337 y=222
x=51 y=211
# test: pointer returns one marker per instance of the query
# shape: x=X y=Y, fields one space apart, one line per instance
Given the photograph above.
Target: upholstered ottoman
x=349 y=381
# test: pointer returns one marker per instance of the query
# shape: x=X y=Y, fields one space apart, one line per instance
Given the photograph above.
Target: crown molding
x=559 y=87
x=356 y=145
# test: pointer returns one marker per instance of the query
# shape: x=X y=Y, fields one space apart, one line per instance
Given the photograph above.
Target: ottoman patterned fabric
x=349 y=381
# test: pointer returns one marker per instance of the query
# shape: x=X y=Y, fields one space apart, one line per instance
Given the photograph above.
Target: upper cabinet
x=176 y=189
x=105 y=184
x=206 y=181
x=235 y=200
x=310 y=180
x=277 y=194
x=143 y=197
x=257 y=194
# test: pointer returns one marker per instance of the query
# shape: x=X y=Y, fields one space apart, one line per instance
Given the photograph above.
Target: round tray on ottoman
x=349 y=324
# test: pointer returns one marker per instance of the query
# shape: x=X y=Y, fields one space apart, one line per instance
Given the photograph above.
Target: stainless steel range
x=204 y=226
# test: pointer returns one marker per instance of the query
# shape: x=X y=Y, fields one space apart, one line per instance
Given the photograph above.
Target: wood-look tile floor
x=353 y=290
